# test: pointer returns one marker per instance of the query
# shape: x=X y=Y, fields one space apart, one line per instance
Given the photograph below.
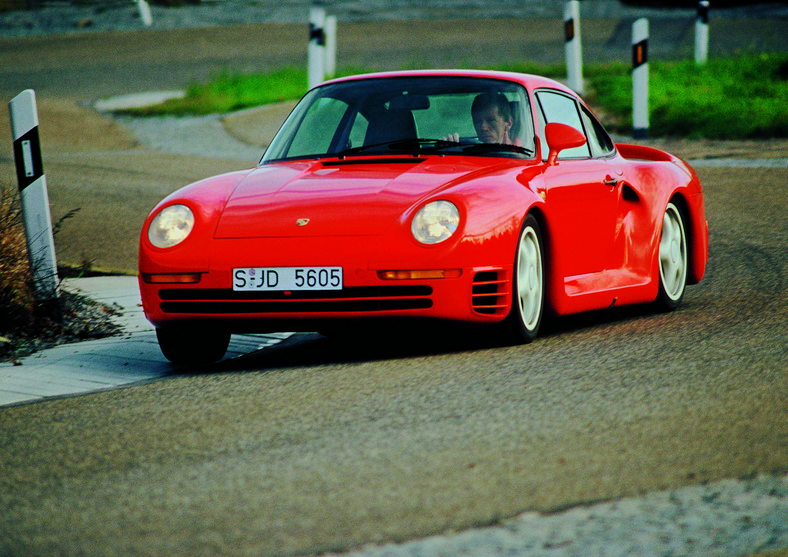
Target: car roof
x=530 y=81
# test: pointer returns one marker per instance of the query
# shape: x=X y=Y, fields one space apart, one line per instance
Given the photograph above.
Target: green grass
x=731 y=98
x=228 y=92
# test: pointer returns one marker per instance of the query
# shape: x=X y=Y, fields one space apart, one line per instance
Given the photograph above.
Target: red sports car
x=462 y=196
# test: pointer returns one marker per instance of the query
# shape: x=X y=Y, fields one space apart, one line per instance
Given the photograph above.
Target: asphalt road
x=325 y=443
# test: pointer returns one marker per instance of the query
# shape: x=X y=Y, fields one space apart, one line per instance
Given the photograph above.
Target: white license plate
x=287 y=278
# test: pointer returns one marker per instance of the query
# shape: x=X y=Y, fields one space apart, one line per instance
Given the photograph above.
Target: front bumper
x=478 y=295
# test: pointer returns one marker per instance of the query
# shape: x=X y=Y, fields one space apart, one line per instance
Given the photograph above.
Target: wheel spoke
x=667 y=229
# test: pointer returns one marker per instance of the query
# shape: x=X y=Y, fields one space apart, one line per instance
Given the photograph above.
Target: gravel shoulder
x=727 y=518
x=90 y=16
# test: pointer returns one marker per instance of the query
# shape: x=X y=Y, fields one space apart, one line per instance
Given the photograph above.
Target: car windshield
x=404 y=115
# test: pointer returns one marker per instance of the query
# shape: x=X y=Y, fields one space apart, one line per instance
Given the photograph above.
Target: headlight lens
x=171 y=226
x=435 y=222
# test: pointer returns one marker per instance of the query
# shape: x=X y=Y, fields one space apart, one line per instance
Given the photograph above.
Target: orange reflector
x=171 y=278
x=420 y=274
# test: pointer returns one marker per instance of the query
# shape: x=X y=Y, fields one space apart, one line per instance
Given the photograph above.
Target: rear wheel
x=191 y=345
x=528 y=283
x=672 y=259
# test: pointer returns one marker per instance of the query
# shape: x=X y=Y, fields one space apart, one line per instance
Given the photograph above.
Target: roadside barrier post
x=317 y=44
x=34 y=196
x=331 y=46
x=640 y=79
x=145 y=14
x=573 y=46
x=702 y=33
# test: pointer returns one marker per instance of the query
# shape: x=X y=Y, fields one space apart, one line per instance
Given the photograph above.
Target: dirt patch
x=65 y=126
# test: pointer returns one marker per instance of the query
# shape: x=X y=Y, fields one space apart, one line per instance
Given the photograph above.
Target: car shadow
x=367 y=345
x=314 y=349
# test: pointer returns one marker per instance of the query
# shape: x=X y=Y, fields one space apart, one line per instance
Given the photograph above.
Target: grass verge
x=229 y=92
x=730 y=98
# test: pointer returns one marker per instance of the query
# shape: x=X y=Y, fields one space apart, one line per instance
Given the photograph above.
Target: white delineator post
x=640 y=79
x=317 y=44
x=331 y=46
x=34 y=196
x=702 y=33
x=145 y=14
x=573 y=47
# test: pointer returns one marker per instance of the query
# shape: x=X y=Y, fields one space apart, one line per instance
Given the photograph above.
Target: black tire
x=673 y=260
x=192 y=346
x=528 y=283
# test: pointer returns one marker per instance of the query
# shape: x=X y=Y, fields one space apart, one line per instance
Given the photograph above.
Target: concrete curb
x=96 y=365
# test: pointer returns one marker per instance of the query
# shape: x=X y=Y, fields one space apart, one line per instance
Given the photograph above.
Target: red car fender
x=492 y=209
x=697 y=225
x=206 y=199
x=697 y=230
x=693 y=207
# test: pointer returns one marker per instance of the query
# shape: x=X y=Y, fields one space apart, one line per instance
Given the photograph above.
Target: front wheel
x=528 y=283
x=672 y=260
x=192 y=346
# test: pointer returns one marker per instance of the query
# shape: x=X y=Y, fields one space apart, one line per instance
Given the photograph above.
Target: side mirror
x=560 y=137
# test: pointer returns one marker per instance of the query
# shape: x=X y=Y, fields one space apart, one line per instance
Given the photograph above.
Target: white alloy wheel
x=528 y=298
x=672 y=259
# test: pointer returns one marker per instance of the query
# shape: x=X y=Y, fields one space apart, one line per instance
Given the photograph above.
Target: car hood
x=352 y=197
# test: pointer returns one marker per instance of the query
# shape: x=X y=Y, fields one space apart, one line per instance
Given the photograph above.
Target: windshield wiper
x=359 y=149
x=480 y=148
x=424 y=145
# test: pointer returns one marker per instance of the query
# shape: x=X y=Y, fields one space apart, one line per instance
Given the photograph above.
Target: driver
x=492 y=119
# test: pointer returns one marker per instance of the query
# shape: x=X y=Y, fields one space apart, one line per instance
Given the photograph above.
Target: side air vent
x=491 y=294
x=629 y=194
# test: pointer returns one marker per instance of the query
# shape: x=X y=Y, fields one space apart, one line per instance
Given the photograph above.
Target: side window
x=562 y=109
x=598 y=139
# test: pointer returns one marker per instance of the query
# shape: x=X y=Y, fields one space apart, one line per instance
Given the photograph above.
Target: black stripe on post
x=703 y=12
x=27 y=156
x=569 y=30
x=317 y=34
x=640 y=53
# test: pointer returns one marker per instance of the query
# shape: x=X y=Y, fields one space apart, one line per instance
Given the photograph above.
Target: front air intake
x=354 y=299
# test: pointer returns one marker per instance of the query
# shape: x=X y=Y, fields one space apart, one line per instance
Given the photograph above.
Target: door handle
x=611 y=181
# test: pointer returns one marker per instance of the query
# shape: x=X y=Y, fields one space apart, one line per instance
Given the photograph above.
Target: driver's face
x=490 y=125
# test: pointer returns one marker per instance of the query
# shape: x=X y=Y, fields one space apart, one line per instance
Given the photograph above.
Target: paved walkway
x=95 y=365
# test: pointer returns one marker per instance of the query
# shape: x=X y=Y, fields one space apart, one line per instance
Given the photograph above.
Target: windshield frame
x=414 y=94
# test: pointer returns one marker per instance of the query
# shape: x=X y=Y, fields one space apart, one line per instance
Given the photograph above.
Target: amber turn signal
x=171 y=278
x=420 y=274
